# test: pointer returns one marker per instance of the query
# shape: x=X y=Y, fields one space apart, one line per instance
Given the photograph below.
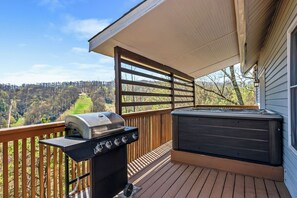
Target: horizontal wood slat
x=30 y=131
x=146 y=113
x=131 y=104
x=144 y=75
x=131 y=93
x=183 y=96
x=184 y=84
x=190 y=101
x=141 y=59
x=129 y=82
x=152 y=69
x=183 y=90
x=186 y=80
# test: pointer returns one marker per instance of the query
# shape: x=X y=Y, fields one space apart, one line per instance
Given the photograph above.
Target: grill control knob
x=108 y=144
x=124 y=139
x=98 y=149
x=134 y=136
x=117 y=141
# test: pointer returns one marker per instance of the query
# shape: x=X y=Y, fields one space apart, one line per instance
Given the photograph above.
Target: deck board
x=219 y=185
x=156 y=182
x=170 y=181
x=187 y=186
x=229 y=186
x=271 y=189
x=197 y=187
x=239 y=186
x=167 y=179
x=175 y=188
x=260 y=188
x=249 y=187
x=207 y=188
x=282 y=189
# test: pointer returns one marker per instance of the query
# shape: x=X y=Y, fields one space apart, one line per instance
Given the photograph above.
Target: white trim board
x=289 y=33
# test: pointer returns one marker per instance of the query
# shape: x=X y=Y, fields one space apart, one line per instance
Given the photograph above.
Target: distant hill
x=46 y=102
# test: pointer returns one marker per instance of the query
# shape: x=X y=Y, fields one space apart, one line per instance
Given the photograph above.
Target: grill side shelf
x=65 y=143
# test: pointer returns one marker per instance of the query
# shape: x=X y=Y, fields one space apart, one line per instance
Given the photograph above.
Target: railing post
x=118 y=79
x=172 y=90
x=194 y=93
x=66 y=176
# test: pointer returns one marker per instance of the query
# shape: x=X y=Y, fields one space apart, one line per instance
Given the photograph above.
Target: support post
x=118 y=78
x=194 y=93
x=172 y=90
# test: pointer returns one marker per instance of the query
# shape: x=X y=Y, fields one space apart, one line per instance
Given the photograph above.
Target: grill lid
x=92 y=125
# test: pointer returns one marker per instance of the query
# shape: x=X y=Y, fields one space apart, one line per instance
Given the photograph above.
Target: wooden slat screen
x=143 y=84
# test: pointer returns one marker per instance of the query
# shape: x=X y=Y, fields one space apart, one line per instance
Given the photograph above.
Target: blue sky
x=46 y=40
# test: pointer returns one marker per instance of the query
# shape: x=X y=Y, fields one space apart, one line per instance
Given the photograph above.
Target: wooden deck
x=159 y=177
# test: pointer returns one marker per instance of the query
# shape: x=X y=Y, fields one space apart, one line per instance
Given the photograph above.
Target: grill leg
x=66 y=176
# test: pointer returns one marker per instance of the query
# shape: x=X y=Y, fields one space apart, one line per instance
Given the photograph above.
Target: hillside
x=47 y=102
x=83 y=104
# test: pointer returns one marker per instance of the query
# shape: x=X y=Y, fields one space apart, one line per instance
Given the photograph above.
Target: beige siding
x=273 y=65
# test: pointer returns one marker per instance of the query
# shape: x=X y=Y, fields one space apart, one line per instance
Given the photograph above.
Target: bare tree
x=232 y=77
x=227 y=85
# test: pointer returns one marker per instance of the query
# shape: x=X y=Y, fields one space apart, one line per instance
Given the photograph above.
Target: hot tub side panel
x=235 y=138
x=175 y=128
x=275 y=142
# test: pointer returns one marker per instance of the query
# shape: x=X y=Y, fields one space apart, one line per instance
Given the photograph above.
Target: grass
x=20 y=122
x=83 y=104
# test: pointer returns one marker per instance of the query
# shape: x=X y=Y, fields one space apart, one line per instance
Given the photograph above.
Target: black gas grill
x=102 y=138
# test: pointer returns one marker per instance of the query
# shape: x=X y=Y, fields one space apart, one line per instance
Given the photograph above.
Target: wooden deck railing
x=154 y=130
x=29 y=169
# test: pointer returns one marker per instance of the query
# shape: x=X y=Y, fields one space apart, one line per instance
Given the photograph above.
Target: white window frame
x=289 y=35
x=262 y=90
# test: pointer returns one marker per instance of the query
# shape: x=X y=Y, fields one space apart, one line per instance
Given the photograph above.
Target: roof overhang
x=196 y=37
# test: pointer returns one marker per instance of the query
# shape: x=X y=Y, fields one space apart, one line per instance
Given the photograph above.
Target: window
x=292 y=85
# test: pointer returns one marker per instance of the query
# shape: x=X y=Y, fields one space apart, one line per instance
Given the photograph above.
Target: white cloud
x=39 y=73
x=84 y=28
x=79 y=50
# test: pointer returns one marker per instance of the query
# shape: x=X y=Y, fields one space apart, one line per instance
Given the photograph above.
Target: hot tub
x=244 y=134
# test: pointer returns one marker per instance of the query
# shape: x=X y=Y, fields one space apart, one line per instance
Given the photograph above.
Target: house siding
x=273 y=67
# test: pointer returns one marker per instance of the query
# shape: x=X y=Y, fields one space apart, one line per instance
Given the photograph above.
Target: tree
x=232 y=77
x=226 y=87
